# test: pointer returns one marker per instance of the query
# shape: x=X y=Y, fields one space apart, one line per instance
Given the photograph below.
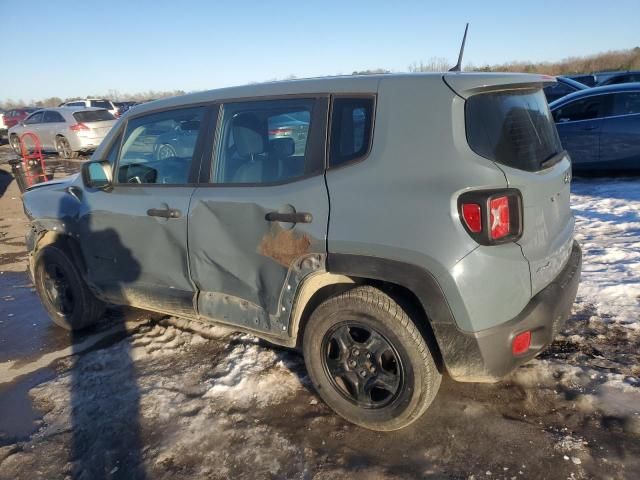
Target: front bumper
x=486 y=356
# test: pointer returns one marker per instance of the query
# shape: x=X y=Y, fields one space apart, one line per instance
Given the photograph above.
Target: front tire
x=63 y=292
x=14 y=140
x=368 y=361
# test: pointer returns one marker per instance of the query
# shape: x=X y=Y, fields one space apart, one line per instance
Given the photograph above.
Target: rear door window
x=586 y=109
x=627 y=103
x=351 y=129
x=101 y=104
x=53 y=117
x=266 y=142
x=93 y=116
x=512 y=127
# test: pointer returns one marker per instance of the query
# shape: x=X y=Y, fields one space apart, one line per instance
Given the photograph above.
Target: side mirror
x=98 y=175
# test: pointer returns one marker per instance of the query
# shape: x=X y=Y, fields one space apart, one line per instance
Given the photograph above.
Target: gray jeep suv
x=415 y=225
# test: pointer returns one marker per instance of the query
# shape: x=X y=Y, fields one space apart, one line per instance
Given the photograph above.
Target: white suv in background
x=95 y=103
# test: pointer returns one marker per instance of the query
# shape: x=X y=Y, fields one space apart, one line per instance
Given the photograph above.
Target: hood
x=58 y=182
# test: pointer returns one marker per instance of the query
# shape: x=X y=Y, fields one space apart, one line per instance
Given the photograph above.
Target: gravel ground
x=138 y=397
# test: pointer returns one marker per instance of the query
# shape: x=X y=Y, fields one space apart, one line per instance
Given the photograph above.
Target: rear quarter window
x=101 y=104
x=93 y=116
x=512 y=127
x=351 y=129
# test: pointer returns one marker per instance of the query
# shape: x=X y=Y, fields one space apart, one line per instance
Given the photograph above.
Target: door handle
x=298 y=217
x=164 y=212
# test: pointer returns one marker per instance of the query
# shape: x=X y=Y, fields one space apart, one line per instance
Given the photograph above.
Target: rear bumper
x=486 y=356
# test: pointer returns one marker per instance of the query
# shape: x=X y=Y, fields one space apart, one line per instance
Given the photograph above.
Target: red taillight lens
x=472 y=214
x=521 y=343
x=499 y=217
x=78 y=126
x=280 y=131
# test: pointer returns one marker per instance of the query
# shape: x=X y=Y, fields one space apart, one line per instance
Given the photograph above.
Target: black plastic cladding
x=482 y=198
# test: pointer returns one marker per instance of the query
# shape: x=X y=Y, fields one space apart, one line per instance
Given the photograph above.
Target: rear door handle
x=164 y=212
x=298 y=217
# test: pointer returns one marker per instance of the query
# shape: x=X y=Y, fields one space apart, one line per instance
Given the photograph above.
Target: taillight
x=280 y=131
x=499 y=217
x=78 y=126
x=492 y=217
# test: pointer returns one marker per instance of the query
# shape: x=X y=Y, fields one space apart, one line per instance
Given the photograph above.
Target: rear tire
x=63 y=147
x=368 y=361
x=63 y=292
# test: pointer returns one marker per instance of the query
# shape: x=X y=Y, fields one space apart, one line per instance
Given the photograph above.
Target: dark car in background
x=124 y=106
x=564 y=86
x=588 y=79
x=615 y=78
x=600 y=128
x=15 y=116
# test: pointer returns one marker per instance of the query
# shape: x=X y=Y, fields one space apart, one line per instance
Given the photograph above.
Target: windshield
x=93 y=116
x=513 y=128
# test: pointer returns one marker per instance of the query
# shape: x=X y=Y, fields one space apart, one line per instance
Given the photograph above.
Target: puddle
x=24 y=419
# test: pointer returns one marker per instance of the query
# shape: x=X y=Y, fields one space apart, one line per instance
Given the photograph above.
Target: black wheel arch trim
x=416 y=279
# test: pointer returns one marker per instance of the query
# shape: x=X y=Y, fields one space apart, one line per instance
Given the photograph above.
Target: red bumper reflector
x=521 y=343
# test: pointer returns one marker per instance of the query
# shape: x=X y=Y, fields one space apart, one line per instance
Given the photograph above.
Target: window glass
x=93 y=116
x=101 y=104
x=53 y=117
x=627 y=103
x=264 y=142
x=159 y=148
x=34 y=118
x=351 y=125
x=586 y=109
x=512 y=127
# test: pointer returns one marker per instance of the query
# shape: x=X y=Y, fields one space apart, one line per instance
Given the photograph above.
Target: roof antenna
x=458 y=66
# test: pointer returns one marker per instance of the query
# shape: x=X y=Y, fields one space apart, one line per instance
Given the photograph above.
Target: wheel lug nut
x=355 y=352
x=352 y=363
x=363 y=373
x=368 y=355
x=372 y=369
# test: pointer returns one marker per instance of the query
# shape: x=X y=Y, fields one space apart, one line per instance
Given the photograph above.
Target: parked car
x=16 y=115
x=564 y=86
x=94 y=103
x=588 y=79
x=65 y=130
x=600 y=127
x=614 y=78
x=124 y=106
x=442 y=251
x=3 y=127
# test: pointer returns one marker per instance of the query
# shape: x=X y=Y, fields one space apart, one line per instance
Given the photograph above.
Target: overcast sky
x=75 y=48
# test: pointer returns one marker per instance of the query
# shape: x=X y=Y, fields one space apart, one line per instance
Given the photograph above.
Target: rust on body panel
x=284 y=246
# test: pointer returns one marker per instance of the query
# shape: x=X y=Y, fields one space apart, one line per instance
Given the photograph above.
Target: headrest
x=190 y=125
x=247 y=134
x=282 y=147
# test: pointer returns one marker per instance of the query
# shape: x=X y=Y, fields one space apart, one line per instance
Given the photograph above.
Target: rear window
x=513 y=128
x=93 y=116
x=101 y=104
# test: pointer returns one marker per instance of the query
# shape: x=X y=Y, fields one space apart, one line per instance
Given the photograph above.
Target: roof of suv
x=467 y=82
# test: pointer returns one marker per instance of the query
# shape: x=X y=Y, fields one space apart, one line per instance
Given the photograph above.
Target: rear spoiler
x=470 y=83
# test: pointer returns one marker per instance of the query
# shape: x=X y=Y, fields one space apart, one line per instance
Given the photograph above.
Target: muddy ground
x=138 y=397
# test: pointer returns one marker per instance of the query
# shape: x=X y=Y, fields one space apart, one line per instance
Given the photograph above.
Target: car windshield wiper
x=554 y=158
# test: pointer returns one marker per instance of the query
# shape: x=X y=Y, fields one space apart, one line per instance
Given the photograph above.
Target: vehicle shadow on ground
x=104 y=445
x=5 y=180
